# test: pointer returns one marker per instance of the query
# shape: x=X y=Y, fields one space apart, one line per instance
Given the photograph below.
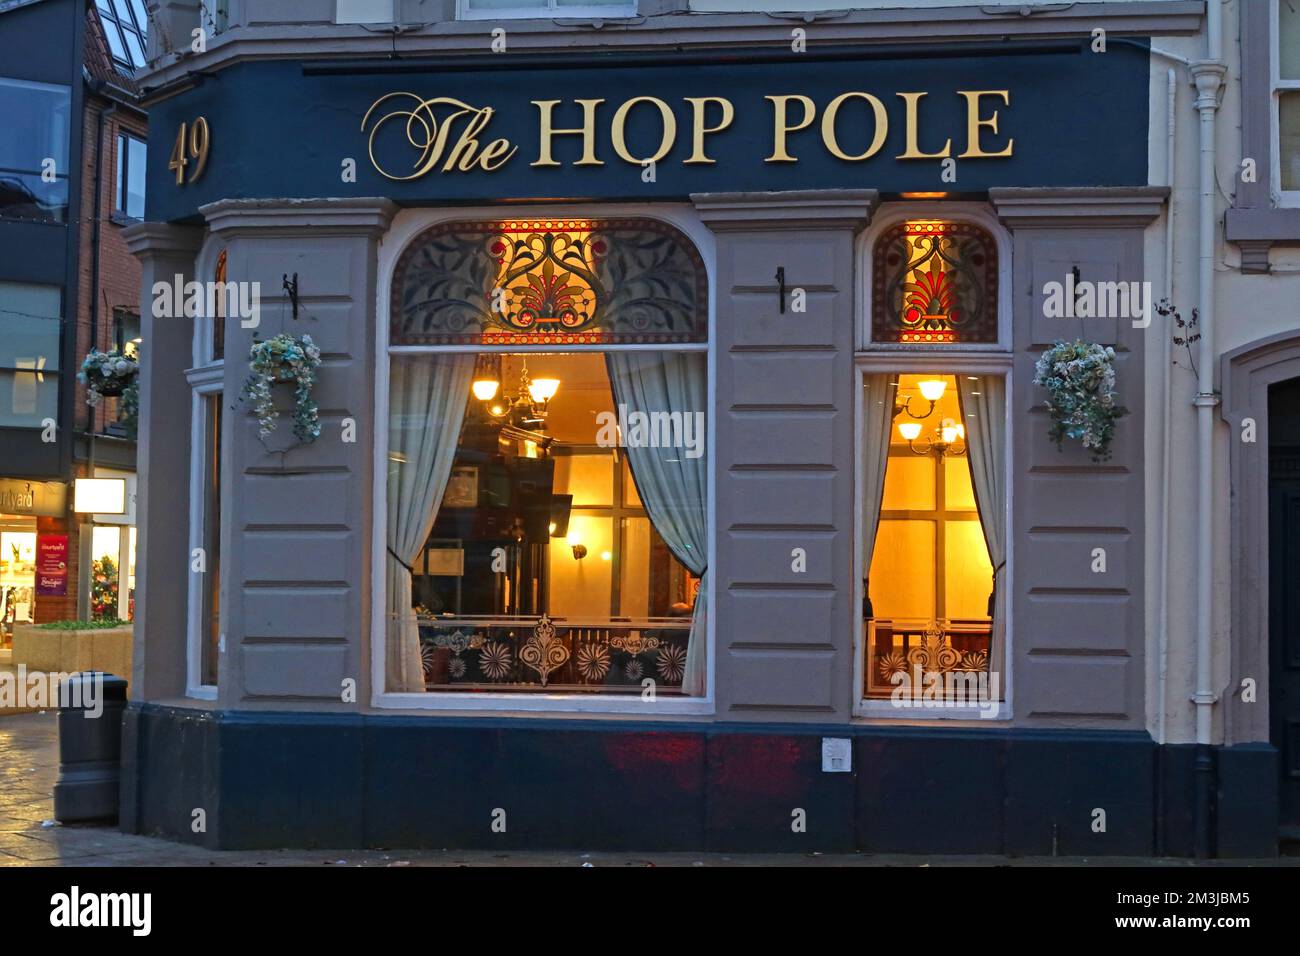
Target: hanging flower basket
x=1080 y=381
x=107 y=374
x=282 y=360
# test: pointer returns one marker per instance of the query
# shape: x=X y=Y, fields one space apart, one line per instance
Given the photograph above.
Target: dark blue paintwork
x=282 y=129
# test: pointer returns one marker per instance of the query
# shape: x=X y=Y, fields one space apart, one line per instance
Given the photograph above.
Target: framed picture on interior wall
x=462 y=488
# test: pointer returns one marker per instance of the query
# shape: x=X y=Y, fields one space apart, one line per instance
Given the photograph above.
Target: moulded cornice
x=794 y=209
x=676 y=32
x=1083 y=207
x=158 y=239
x=350 y=217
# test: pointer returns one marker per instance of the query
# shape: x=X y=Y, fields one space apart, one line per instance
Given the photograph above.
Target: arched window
x=546 y=491
x=933 y=466
x=934 y=282
x=550 y=282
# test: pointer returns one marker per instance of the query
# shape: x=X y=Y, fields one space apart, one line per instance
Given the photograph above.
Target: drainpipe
x=1207 y=75
x=1162 y=558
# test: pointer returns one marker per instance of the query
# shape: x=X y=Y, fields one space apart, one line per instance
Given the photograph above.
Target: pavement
x=29 y=836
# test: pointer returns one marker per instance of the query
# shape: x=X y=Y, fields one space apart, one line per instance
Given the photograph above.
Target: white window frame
x=406 y=226
x=206 y=378
x=956 y=359
x=1289 y=198
x=551 y=11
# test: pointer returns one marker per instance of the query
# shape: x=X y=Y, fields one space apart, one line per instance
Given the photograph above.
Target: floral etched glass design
x=934 y=283
x=549 y=281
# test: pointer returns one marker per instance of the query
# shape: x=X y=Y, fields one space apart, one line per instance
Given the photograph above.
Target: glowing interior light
x=910 y=430
x=949 y=431
x=543 y=390
x=574 y=538
x=605 y=556
x=932 y=389
x=485 y=389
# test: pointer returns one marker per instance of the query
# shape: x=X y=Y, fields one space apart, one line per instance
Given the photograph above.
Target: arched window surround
x=405 y=230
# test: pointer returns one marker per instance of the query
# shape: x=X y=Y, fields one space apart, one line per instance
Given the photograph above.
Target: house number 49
x=194 y=140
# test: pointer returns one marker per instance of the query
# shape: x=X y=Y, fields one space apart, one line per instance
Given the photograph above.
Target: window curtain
x=672 y=486
x=986 y=442
x=426 y=405
x=877 y=424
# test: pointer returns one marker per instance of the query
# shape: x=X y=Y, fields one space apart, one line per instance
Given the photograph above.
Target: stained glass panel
x=549 y=281
x=934 y=283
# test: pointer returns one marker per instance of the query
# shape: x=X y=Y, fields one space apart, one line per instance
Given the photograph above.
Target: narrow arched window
x=934 y=282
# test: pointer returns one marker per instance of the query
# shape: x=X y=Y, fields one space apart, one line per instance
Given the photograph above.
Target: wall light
x=485 y=389
x=106 y=496
x=932 y=389
x=575 y=542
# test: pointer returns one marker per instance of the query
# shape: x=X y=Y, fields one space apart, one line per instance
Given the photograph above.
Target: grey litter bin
x=90 y=747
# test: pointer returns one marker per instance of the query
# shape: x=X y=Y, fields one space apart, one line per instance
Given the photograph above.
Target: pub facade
x=651 y=427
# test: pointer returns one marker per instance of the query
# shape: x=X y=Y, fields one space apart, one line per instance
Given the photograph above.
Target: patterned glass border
x=549 y=281
x=934 y=283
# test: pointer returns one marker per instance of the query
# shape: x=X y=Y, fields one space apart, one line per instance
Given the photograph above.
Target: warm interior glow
x=543 y=390
x=105 y=496
x=949 y=431
x=485 y=389
x=909 y=430
x=574 y=537
x=932 y=389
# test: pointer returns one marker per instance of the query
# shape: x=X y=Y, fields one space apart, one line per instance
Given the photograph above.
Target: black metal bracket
x=780 y=287
x=291 y=287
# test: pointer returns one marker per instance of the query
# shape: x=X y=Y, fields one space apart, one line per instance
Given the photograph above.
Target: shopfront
x=33 y=561
x=677 y=438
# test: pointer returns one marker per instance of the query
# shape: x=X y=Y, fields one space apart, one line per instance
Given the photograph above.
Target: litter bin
x=90 y=746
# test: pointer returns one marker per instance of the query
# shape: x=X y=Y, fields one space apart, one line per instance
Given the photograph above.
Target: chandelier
x=947 y=439
x=527 y=406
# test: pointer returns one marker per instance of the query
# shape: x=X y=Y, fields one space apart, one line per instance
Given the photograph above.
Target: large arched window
x=546 y=490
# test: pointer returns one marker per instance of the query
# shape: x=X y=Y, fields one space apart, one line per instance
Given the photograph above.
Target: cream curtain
x=986 y=442
x=426 y=405
x=672 y=485
x=877 y=424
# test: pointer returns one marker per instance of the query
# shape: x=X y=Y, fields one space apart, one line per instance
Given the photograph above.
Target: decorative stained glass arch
x=549 y=281
x=936 y=283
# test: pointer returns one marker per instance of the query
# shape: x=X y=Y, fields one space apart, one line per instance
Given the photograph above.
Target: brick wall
x=118 y=286
x=119 y=272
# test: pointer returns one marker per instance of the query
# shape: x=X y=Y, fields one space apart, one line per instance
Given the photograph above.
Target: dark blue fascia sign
x=953 y=120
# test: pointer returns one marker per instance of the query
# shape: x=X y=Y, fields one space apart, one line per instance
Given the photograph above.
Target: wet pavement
x=29 y=836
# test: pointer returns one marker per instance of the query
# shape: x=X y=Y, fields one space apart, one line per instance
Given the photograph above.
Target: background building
x=71 y=178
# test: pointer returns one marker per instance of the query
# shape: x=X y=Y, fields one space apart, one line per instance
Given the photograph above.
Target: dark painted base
x=262 y=780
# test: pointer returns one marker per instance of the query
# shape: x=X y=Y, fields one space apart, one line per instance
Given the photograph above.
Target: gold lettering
x=618 y=129
x=913 y=151
x=828 y=126
x=782 y=127
x=699 y=130
x=430 y=135
x=973 y=123
x=587 y=130
x=496 y=154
